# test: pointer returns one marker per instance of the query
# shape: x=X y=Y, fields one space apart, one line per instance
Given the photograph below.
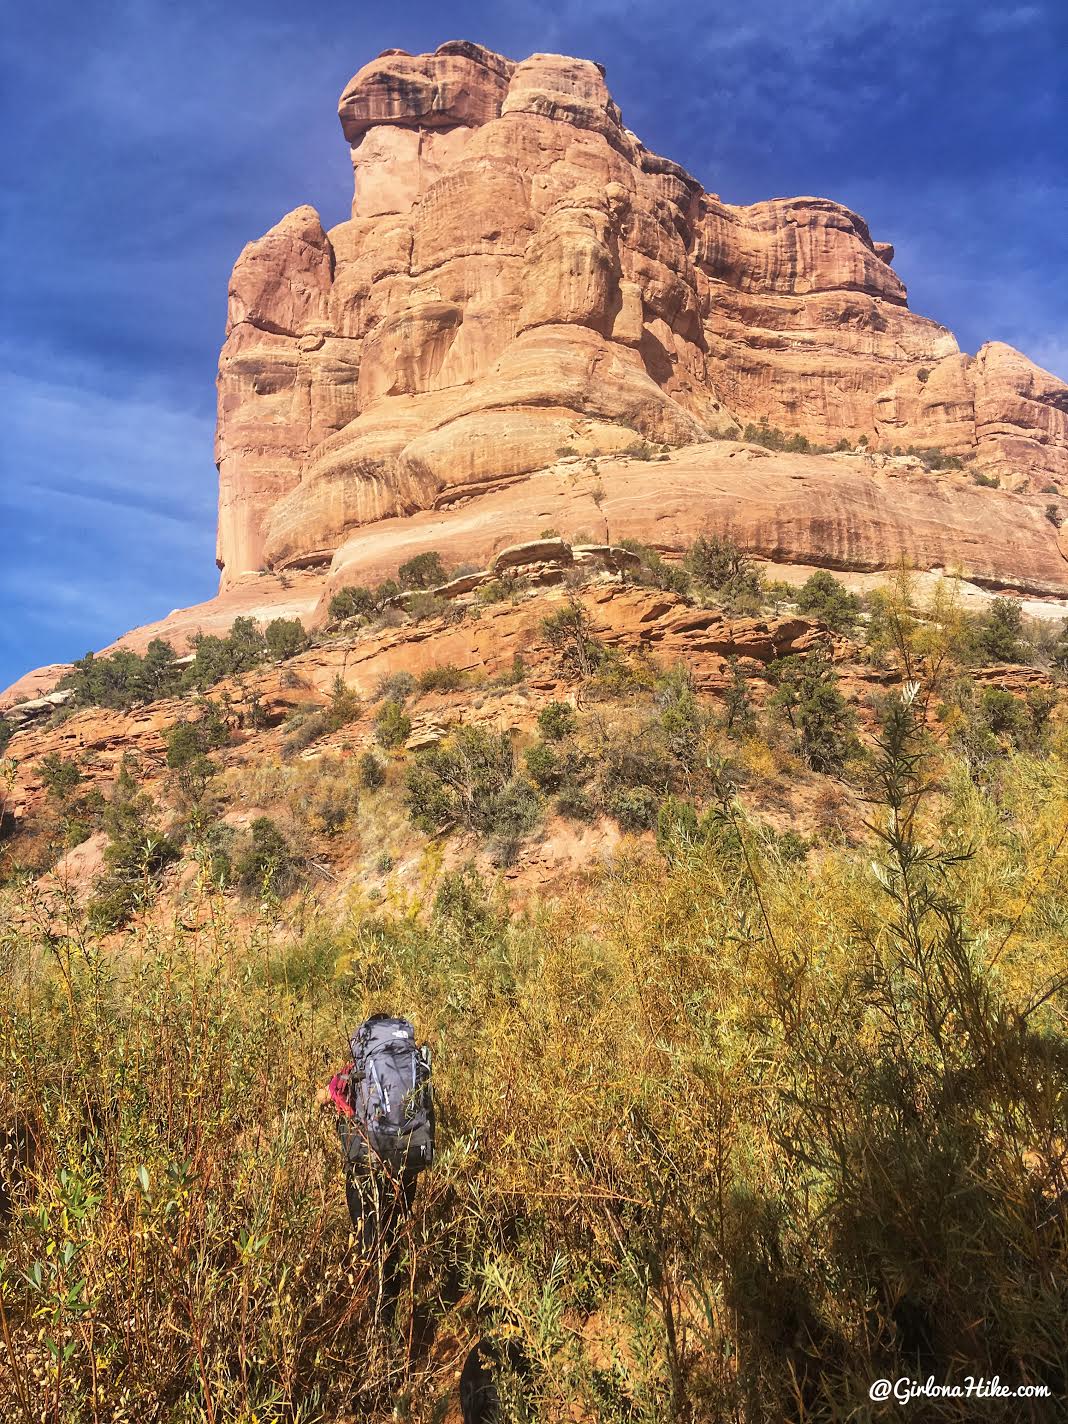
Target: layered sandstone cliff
x=521 y=275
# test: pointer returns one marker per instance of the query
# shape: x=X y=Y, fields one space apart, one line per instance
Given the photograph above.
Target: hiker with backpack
x=385 y=1119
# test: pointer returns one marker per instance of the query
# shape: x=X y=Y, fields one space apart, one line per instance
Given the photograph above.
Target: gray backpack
x=392 y=1125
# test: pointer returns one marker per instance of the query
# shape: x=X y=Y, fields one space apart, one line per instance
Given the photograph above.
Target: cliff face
x=521 y=275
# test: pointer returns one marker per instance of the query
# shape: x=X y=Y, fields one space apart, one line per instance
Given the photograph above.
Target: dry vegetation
x=740 y=1124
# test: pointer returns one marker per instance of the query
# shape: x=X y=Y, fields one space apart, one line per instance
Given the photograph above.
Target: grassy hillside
x=742 y=1118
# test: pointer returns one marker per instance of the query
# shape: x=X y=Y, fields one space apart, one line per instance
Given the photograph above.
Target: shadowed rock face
x=521 y=275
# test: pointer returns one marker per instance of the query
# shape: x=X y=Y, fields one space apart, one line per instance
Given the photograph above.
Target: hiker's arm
x=335 y=1094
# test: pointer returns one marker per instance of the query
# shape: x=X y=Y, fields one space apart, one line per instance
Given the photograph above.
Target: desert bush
x=633 y=807
x=725 y=571
x=284 y=638
x=828 y=599
x=495 y=591
x=327 y=801
x=567 y=632
x=544 y=766
x=471 y=779
x=443 y=677
x=999 y=636
x=266 y=864
x=344 y=706
x=78 y=811
x=394 y=687
x=739 y=715
x=188 y=743
x=424 y=571
x=124 y=678
x=60 y=776
x=1058 y=651
x=557 y=720
x=807 y=693
x=422 y=605
x=393 y=726
x=352 y=601
x=137 y=853
x=682 y=720
x=372 y=771
x=576 y=803
x=932 y=458
x=657 y=571
x=302 y=730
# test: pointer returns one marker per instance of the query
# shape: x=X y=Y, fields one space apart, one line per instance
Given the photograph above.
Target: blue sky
x=146 y=141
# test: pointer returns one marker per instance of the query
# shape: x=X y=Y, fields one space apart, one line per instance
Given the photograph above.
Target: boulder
x=538 y=551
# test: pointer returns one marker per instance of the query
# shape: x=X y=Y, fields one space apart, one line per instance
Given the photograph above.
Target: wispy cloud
x=111 y=501
x=148 y=141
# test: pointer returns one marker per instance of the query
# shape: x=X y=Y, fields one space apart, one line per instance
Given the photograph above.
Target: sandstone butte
x=522 y=293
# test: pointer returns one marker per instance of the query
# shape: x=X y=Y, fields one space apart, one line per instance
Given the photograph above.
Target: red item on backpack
x=338 y=1088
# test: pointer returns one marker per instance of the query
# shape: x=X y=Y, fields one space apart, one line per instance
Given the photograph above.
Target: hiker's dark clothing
x=379 y=1209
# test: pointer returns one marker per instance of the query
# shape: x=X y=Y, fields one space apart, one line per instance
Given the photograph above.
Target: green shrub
x=639 y=449
x=78 y=813
x=932 y=458
x=739 y=714
x=60 y=777
x=328 y=802
x=443 y=677
x=393 y=726
x=818 y=713
x=123 y=678
x=825 y=597
x=344 y=707
x=284 y=638
x=557 y=720
x=7 y=731
x=634 y=807
x=421 y=606
x=1059 y=651
x=568 y=633
x=495 y=591
x=999 y=636
x=773 y=439
x=266 y=863
x=724 y=569
x=136 y=855
x=302 y=730
x=576 y=803
x=425 y=571
x=980 y=477
x=188 y=739
x=372 y=771
x=243 y=649
x=353 y=601
x=676 y=825
x=544 y=767
x=394 y=687
x=515 y=674
x=471 y=779
x=680 y=717
x=657 y=571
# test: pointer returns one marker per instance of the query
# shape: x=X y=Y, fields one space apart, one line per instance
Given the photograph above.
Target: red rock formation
x=519 y=274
